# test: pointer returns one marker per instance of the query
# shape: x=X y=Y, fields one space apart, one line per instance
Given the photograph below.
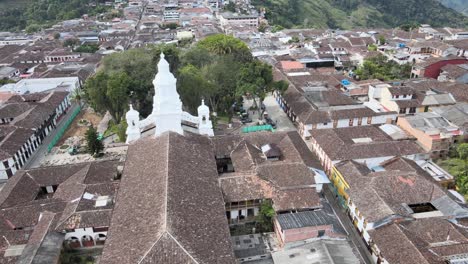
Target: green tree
x=197 y=56
x=87 y=48
x=281 y=86
x=221 y=44
x=170 y=26
x=231 y=7
x=94 y=145
x=294 y=39
x=117 y=94
x=256 y=79
x=33 y=28
x=379 y=67
x=56 y=35
x=71 y=42
x=265 y=216
x=462 y=150
x=461 y=172
x=121 y=130
x=109 y=92
x=77 y=95
x=382 y=40
x=193 y=87
x=262 y=27
x=372 y=47
x=222 y=73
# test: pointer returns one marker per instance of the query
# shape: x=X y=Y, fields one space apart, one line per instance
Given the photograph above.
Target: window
x=325 y=124
x=321 y=233
x=369 y=120
x=359 y=121
x=402 y=110
x=351 y=120
x=397 y=96
x=404 y=96
x=426 y=108
x=412 y=110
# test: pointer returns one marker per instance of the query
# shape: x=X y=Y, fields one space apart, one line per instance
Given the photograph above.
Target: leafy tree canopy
x=379 y=67
x=94 y=145
x=221 y=44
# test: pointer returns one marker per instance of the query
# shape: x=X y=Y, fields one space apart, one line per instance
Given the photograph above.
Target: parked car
x=246 y=120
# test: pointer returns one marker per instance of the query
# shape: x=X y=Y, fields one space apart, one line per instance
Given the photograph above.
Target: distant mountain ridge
x=347 y=14
x=458 y=5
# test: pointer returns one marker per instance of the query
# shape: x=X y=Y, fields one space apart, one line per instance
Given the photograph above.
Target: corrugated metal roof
x=304 y=219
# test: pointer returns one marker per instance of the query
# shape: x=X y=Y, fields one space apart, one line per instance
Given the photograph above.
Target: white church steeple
x=167 y=114
x=167 y=107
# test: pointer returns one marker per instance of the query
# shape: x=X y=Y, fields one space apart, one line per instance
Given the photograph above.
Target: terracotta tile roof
x=296 y=199
x=429 y=240
x=155 y=212
x=338 y=143
x=290 y=65
x=381 y=194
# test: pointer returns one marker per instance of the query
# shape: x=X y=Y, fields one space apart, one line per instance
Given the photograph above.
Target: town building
x=454 y=73
x=25 y=120
x=39 y=85
x=47 y=208
x=366 y=144
x=431 y=67
x=316 y=102
x=408 y=98
x=434 y=133
x=233 y=19
x=402 y=198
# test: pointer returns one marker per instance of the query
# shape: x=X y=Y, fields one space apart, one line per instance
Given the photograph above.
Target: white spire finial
x=163 y=65
x=203 y=101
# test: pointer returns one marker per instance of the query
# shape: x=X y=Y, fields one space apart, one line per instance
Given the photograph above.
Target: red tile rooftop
x=291 y=65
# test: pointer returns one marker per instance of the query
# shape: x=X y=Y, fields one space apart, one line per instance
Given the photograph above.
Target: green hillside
x=347 y=14
x=458 y=5
x=33 y=14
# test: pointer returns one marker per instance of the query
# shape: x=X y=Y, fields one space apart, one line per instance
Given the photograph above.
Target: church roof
x=169 y=208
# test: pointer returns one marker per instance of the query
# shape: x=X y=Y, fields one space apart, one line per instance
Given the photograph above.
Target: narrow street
x=353 y=234
x=283 y=123
x=36 y=158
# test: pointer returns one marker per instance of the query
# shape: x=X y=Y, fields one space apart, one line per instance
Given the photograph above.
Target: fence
x=64 y=128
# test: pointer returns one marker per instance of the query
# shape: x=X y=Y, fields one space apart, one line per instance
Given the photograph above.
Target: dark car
x=245 y=120
x=270 y=122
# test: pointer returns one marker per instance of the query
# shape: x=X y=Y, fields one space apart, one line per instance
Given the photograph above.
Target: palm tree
x=77 y=95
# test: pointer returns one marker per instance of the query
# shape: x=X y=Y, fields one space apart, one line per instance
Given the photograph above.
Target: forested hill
x=458 y=5
x=347 y=14
x=33 y=14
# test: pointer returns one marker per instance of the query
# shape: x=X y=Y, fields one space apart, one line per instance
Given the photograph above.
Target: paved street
x=36 y=158
x=353 y=234
x=274 y=112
